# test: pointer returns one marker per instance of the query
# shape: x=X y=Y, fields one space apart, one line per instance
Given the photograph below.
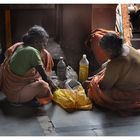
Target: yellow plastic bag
x=72 y=99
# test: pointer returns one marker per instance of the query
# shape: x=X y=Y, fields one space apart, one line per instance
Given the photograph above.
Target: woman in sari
x=117 y=87
x=25 y=70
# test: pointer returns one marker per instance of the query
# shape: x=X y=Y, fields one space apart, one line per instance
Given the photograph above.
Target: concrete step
x=136 y=34
x=136 y=43
x=136 y=40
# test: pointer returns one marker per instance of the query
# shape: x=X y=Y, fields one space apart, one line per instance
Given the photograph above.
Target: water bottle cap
x=61 y=57
x=84 y=55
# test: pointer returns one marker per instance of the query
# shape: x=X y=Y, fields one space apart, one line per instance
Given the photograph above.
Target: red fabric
x=47 y=60
x=11 y=49
x=98 y=52
x=115 y=100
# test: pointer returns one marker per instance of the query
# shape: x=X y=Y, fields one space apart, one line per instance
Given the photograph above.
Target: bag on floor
x=72 y=99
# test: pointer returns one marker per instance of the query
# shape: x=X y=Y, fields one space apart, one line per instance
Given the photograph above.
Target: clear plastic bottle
x=71 y=74
x=61 y=69
x=83 y=69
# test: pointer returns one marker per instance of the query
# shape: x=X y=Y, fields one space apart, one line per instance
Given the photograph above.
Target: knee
x=43 y=85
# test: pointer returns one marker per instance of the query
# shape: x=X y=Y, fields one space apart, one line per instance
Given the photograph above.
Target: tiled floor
x=51 y=120
x=23 y=121
x=93 y=123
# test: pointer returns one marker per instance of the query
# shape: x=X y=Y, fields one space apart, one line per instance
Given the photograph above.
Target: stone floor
x=51 y=120
x=23 y=121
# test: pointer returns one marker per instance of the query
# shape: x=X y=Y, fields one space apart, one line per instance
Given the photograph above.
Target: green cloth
x=23 y=59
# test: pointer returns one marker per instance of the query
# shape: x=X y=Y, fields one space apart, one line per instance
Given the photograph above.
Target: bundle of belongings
x=72 y=97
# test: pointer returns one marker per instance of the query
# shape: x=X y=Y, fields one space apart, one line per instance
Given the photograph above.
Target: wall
x=78 y=21
x=103 y=16
x=23 y=19
x=72 y=24
x=76 y=25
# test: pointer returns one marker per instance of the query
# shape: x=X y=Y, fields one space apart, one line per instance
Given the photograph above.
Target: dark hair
x=111 y=42
x=36 y=37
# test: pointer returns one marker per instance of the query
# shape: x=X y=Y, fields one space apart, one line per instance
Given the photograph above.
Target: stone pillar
x=126 y=23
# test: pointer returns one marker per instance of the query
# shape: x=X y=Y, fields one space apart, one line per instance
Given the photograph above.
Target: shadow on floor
x=23 y=111
x=118 y=113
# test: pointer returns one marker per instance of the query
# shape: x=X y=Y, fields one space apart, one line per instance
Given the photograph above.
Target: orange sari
x=10 y=83
x=115 y=99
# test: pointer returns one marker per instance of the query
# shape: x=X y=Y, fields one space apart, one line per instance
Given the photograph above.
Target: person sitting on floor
x=25 y=72
x=117 y=87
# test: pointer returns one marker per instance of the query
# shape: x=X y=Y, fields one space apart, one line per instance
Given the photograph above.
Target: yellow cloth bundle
x=72 y=99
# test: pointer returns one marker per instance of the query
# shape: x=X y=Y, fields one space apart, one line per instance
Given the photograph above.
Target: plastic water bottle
x=71 y=74
x=83 y=69
x=61 y=69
